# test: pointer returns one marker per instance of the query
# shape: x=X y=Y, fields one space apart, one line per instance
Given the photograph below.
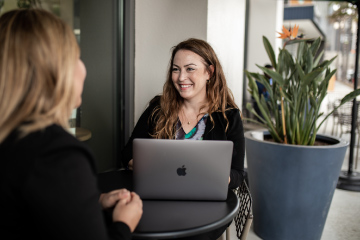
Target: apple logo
x=181 y=171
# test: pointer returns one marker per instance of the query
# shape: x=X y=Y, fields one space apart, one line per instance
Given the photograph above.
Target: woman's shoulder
x=45 y=146
x=64 y=140
x=232 y=110
x=51 y=140
x=55 y=134
x=155 y=100
x=233 y=116
x=153 y=104
x=229 y=111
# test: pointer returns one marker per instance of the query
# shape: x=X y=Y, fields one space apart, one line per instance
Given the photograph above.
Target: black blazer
x=48 y=189
x=235 y=133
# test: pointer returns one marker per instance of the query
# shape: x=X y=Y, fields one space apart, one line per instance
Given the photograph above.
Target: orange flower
x=291 y=33
x=294 y=31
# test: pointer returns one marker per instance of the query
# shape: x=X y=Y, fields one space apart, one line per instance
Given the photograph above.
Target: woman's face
x=79 y=77
x=189 y=75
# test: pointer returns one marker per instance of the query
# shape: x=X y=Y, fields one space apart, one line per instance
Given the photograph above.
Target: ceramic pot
x=292 y=186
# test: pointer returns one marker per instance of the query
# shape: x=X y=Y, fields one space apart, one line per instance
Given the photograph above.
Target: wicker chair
x=243 y=218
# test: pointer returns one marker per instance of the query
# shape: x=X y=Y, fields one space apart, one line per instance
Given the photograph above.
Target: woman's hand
x=109 y=200
x=129 y=212
x=130 y=164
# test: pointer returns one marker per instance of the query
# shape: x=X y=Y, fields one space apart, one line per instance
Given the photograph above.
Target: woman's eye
x=190 y=69
x=175 y=69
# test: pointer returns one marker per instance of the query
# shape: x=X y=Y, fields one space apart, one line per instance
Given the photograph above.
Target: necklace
x=187 y=120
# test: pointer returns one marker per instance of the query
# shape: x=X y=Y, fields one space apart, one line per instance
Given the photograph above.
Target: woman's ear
x=211 y=70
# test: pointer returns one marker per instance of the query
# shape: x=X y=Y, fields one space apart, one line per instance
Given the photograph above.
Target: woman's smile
x=189 y=75
x=185 y=86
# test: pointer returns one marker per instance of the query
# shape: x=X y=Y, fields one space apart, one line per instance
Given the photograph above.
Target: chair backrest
x=244 y=217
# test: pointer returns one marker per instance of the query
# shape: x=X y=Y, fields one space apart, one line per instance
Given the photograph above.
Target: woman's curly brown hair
x=219 y=96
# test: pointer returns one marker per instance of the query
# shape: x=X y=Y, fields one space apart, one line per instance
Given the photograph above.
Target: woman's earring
x=208 y=81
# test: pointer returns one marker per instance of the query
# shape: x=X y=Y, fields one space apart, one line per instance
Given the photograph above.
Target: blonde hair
x=219 y=96
x=38 y=54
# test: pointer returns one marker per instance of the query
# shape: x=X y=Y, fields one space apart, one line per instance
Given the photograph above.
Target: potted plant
x=293 y=171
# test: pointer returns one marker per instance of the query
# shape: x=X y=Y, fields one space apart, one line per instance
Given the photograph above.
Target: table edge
x=193 y=231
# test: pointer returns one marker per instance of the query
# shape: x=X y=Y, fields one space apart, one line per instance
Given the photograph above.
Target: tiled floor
x=343 y=221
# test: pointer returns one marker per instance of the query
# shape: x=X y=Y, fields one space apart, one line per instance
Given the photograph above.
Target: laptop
x=166 y=169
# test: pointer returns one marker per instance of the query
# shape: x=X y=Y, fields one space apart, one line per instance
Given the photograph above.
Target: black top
x=235 y=133
x=49 y=189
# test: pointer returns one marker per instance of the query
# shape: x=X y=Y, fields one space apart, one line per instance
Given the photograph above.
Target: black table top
x=173 y=219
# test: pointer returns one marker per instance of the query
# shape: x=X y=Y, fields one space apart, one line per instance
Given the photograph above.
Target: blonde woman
x=196 y=104
x=48 y=179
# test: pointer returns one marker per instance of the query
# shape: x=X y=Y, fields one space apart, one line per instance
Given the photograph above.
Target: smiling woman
x=196 y=104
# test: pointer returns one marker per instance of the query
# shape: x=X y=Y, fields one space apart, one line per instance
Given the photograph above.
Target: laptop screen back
x=181 y=169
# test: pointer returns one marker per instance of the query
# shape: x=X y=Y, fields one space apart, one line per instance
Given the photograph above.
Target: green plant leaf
x=307 y=80
x=303 y=80
x=270 y=52
x=326 y=63
x=300 y=71
x=325 y=83
x=254 y=121
x=315 y=46
x=350 y=96
x=309 y=61
x=289 y=63
x=274 y=75
x=317 y=59
x=250 y=107
x=313 y=102
x=252 y=85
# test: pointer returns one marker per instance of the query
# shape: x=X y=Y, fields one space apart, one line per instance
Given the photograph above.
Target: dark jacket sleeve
x=234 y=133
x=143 y=129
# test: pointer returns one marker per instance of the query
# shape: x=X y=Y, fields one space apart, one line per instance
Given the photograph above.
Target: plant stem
x=283 y=118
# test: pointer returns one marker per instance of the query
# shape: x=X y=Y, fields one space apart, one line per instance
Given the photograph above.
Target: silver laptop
x=181 y=169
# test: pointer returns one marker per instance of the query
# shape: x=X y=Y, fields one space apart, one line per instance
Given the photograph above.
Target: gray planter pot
x=292 y=186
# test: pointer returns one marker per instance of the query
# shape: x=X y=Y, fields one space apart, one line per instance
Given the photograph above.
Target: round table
x=164 y=219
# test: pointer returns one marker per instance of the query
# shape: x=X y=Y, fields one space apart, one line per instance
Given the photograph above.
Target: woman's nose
x=182 y=76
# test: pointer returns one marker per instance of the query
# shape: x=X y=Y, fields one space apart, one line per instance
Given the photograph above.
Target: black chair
x=335 y=116
x=344 y=118
x=345 y=121
x=244 y=217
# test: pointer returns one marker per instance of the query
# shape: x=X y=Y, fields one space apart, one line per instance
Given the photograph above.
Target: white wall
x=278 y=25
x=226 y=33
x=160 y=25
x=265 y=20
